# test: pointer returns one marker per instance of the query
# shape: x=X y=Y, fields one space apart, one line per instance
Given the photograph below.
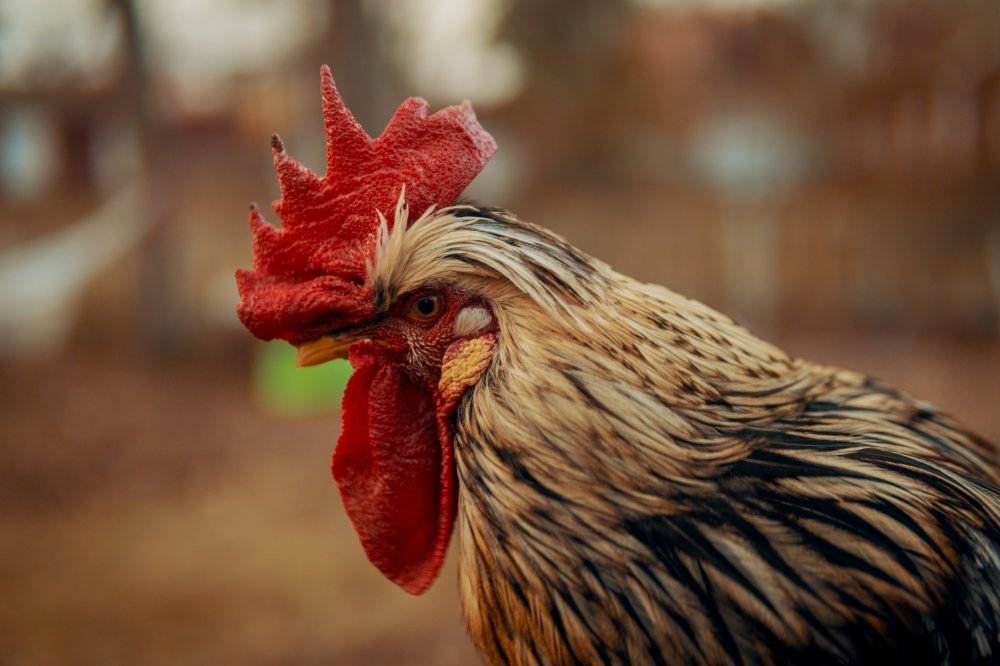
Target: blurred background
x=826 y=172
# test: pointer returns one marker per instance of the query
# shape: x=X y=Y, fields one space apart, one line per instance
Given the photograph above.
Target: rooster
x=635 y=479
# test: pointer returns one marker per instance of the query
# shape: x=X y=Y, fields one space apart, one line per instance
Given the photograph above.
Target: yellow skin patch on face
x=463 y=363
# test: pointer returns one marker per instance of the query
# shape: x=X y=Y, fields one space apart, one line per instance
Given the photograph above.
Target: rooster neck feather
x=644 y=481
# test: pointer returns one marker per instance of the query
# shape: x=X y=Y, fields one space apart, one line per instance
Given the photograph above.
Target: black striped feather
x=808 y=550
x=645 y=482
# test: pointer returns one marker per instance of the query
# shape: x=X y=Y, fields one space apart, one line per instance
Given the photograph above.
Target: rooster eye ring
x=423 y=308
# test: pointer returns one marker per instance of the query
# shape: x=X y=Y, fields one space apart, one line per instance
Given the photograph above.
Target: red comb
x=310 y=273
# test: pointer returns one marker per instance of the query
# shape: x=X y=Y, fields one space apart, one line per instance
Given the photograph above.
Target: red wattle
x=394 y=466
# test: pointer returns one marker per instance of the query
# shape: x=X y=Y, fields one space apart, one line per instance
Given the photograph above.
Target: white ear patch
x=471 y=320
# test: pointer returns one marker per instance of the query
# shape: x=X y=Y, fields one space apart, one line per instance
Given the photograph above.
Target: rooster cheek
x=462 y=364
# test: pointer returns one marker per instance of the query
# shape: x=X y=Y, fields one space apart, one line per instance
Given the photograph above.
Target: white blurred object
x=751 y=156
x=427 y=34
x=41 y=281
x=27 y=153
x=200 y=45
x=44 y=42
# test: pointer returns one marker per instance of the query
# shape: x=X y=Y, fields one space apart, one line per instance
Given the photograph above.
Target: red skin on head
x=393 y=461
x=395 y=473
x=314 y=266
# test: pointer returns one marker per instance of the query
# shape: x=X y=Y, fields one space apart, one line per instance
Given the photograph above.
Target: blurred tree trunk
x=161 y=323
x=354 y=47
x=575 y=79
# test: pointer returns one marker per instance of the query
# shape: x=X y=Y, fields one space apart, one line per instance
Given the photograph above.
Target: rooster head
x=413 y=354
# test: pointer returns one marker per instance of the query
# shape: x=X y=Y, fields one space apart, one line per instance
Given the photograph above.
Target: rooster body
x=635 y=479
x=643 y=481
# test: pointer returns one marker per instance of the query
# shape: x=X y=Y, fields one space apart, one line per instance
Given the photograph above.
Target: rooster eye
x=423 y=307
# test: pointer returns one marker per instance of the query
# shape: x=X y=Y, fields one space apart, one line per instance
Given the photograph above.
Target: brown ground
x=154 y=515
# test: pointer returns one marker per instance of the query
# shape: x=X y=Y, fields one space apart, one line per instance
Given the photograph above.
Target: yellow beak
x=323 y=349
